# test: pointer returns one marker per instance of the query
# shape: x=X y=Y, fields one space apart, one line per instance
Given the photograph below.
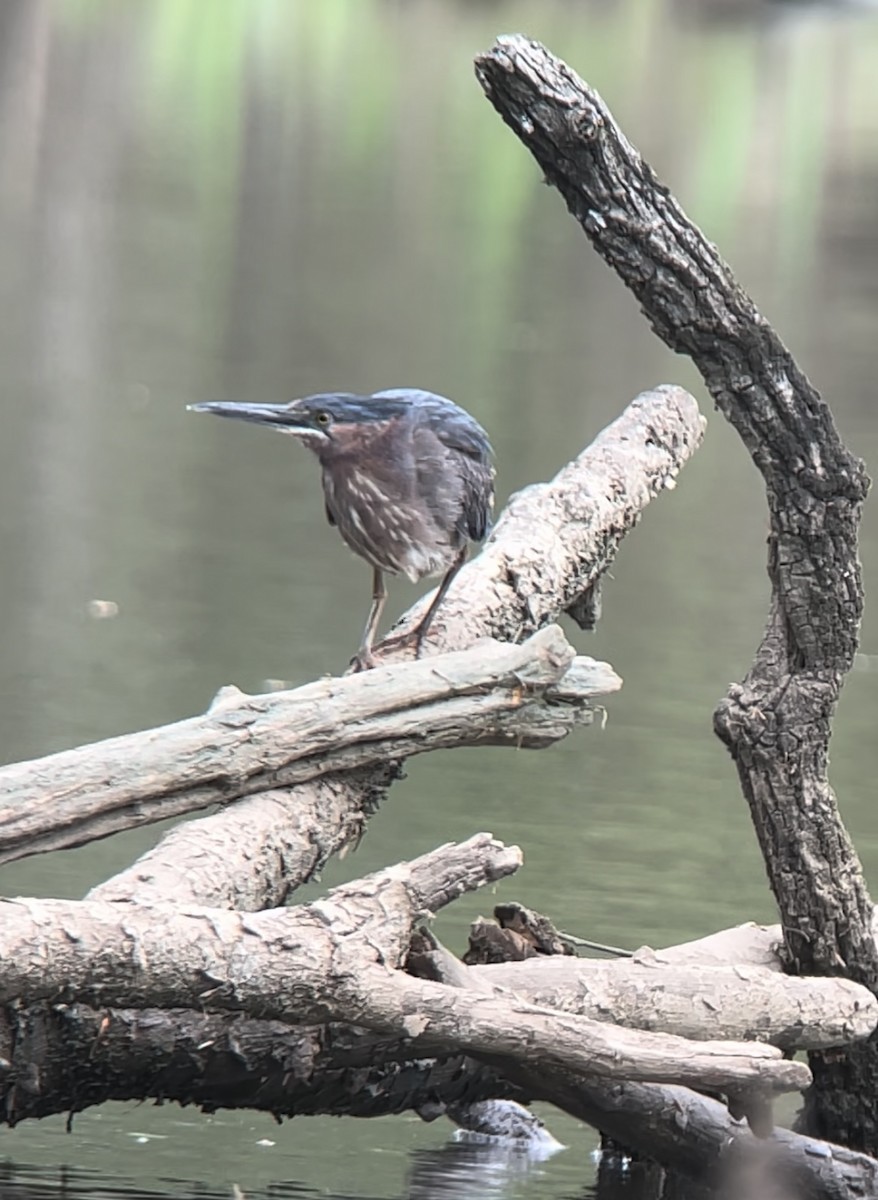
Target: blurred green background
x=258 y=199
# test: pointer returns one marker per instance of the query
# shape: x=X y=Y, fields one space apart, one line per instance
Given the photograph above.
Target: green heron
x=407 y=479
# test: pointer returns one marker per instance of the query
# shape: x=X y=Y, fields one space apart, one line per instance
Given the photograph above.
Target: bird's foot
x=413 y=641
x=363 y=660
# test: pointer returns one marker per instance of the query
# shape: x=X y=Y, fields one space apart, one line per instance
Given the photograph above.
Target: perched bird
x=407 y=479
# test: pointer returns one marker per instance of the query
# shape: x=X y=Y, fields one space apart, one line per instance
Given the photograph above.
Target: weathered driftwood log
x=496 y=694
x=735 y=1002
x=777 y=723
x=338 y=959
x=66 y=1057
x=52 y=948
x=553 y=541
x=82 y=1056
x=749 y=943
x=669 y=990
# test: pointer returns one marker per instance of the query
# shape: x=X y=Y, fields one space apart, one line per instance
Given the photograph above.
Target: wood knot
x=586 y=123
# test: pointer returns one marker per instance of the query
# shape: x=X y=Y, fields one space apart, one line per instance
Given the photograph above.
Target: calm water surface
x=261 y=199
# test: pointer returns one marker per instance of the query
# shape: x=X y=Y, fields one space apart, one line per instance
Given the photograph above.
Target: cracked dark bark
x=777 y=722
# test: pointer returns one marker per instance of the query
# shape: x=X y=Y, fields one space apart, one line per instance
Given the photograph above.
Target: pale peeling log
x=100 y=949
x=256 y=852
x=493 y=694
x=677 y=1127
x=747 y=944
x=430 y=960
x=306 y=965
x=735 y=1003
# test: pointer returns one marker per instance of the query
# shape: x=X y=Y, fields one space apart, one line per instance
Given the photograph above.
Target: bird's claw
x=363 y=660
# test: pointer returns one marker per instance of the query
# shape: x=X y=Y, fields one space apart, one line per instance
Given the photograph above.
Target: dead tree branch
x=695 y=1001
x=496 y=695
x=777 y=723
x=553 y=541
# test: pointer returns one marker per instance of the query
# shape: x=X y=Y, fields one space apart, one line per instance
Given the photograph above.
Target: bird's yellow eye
x=322 y=418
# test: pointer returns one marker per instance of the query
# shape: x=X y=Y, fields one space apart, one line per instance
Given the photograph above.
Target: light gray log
x=700 y=1002
x=104 y=949
x=493 y=694
x=745 y=944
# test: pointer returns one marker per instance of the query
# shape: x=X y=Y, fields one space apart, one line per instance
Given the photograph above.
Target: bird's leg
x=364 y=658
x=421 y=631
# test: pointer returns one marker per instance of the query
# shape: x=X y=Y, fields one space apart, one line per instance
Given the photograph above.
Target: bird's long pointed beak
x=275 y=416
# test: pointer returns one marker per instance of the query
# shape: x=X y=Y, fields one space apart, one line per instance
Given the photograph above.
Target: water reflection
x=21 y=1182
x=302 y=196
x=478 y=1172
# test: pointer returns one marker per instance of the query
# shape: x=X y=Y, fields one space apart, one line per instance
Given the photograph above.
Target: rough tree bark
x=776 y=724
